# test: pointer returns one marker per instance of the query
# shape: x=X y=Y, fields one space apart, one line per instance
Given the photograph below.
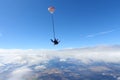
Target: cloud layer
x=38 y=58
x=30 y=57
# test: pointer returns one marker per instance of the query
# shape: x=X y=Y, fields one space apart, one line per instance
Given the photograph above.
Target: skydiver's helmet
x=55 y=41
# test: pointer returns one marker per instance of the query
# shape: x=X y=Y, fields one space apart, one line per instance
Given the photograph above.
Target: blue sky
x=27 y=23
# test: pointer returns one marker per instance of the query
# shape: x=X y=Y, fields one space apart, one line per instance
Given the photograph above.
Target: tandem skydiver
x=55 y=41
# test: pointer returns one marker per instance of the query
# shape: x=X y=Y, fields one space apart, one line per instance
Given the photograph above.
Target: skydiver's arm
x=51 y=40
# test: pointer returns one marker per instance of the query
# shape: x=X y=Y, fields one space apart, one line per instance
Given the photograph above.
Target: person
x=55 y=41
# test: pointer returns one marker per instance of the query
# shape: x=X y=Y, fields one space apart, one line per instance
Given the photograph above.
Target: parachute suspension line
x=53 y=25
x=51 y=10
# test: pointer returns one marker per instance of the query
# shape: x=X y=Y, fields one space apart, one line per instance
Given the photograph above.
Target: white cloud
x=19 y=74
x=99 y=33
x=33 y=57
x=40 y=67
x=62 y=60
x=1 y=64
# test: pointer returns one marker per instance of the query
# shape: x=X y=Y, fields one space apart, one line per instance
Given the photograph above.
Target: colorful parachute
x=51 y=9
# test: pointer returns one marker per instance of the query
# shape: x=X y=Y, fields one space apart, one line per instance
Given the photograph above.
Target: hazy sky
x=27 y=23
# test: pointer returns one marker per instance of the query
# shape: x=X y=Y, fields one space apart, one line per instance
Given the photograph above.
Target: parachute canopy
x=51 y=9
